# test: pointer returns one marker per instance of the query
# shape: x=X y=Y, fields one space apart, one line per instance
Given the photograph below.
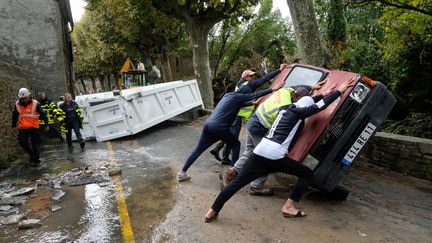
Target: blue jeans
x=75 y=125
x=211 y=133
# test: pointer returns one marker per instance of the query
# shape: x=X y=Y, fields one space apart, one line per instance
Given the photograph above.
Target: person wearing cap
x=26 y=113
x=50 y=109
x=270 y=155
x=249 y=83
x=259 y=124
x=217 y=126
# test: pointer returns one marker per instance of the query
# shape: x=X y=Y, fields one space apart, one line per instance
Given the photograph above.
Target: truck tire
x=339 y=193
x=400 y=110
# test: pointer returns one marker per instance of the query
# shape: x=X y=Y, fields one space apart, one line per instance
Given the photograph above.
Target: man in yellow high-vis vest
x=258 y=125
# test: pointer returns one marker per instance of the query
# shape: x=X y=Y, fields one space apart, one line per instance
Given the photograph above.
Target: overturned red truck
x=332 y=139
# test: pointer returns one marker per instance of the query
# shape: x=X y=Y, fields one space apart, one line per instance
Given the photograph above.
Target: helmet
x=23 y=92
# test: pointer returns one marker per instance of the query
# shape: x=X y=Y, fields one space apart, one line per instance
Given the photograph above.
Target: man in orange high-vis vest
x=26 y=114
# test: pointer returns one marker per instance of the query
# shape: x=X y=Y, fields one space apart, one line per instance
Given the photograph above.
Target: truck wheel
x=339 y=193
x=400 y=110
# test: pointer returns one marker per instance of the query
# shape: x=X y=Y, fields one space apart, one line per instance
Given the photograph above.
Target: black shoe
x=70 y=146
x=82 y=144
x=215 y=154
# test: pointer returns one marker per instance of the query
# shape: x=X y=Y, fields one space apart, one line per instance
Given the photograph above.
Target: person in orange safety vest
x=26 y=114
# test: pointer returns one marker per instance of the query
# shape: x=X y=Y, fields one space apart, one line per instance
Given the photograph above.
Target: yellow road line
x=126 y=226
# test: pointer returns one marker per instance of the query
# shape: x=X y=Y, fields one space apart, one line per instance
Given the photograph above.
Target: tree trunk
x=306 y=30
x=109 y=82
x=93 y=84
x=336 y=24
x=165 y=65
x=199 y=35
x=102 y=82
x=84 y=85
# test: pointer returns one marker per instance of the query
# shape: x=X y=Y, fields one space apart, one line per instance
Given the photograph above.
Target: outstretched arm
x=248 y=97
x=319 y=106
x=257 y=83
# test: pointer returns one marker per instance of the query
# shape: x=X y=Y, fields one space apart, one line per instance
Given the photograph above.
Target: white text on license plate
x=358 y=144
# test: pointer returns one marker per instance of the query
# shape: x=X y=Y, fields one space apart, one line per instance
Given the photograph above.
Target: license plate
x=358 y=144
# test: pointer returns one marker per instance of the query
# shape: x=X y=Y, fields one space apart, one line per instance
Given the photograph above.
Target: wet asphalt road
x=382 y=206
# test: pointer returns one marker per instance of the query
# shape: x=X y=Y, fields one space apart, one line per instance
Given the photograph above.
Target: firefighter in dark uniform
x=70 y=117
x=26 y=113
x=50 y=109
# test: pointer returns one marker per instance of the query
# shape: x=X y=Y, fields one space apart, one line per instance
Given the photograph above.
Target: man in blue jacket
x=217 y=127
x=249 y=83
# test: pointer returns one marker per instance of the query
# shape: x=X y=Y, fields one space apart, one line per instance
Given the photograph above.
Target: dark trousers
x=75 y=125
x=211 y=133
x=35 y=138
x=258 y=166
x=235 y=130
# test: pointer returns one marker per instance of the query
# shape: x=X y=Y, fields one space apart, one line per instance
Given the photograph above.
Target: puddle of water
x=100 y=220
x=38 y=204
x=59 y=226
x=58 y=166
x=149 y=201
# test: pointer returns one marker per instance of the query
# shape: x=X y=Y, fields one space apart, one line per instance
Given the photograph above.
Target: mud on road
x=382 y=206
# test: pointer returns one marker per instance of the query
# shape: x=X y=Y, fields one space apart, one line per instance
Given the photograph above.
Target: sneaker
x=82 y=144
x=182 y=176
x=260 y=191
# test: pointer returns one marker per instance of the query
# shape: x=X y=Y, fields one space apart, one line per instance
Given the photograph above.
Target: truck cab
x=331 y=140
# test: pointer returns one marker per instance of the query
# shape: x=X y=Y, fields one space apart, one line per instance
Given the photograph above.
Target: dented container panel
x=137 y=109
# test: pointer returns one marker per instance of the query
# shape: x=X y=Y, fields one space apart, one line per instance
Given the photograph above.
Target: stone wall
x=34 y=35
x=10 y=83
x=409 y=155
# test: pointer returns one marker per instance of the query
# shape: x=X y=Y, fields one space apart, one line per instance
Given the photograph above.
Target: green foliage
x=416 y=124
x=408 y=49
x=389 y=41
x=336 y=23
x=265 y=37
x=5 y=163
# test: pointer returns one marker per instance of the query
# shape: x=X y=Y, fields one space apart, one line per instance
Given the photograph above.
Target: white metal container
x=140 y=108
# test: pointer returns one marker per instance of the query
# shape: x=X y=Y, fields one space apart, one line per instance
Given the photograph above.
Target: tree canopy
x=387 y=40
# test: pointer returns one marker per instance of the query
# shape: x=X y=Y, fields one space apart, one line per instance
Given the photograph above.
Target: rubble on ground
x=15 y=195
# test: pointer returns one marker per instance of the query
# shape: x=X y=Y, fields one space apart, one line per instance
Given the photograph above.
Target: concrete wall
x=12 y=78
x=410 y=155
x=33 y=35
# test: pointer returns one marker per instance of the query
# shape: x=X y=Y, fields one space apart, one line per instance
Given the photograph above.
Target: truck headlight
x=359 y=92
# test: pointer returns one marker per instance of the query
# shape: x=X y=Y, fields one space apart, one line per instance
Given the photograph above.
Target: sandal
x=299 y=214
x=208 y=220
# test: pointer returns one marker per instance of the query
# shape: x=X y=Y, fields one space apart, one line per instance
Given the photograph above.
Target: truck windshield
x=303 y=76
